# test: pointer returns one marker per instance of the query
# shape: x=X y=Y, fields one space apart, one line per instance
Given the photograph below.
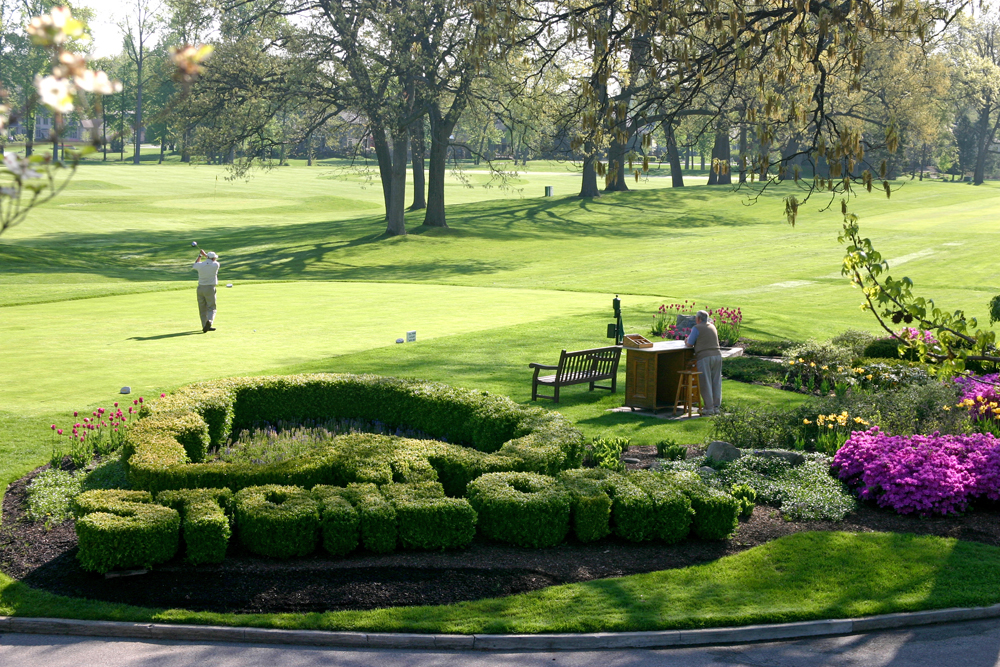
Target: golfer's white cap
x=211 y=255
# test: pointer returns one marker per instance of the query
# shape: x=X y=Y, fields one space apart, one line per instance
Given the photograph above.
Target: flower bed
x=378 y=491
x=923 y=474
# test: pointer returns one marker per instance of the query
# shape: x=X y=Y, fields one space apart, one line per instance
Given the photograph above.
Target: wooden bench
x=580 y=367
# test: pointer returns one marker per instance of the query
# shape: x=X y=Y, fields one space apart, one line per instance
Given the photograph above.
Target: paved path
x=969 y=644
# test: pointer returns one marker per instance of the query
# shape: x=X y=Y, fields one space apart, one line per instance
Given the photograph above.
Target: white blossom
x=20 y=167
x=97 y=82
x=55 y=28
x=56 y=94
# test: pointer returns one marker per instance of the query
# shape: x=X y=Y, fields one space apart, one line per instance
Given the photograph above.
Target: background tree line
x=832 y=95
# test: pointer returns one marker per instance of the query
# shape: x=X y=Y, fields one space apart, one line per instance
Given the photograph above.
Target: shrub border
x=165 y=447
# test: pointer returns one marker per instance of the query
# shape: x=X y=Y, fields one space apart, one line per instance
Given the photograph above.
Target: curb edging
x=519 y=642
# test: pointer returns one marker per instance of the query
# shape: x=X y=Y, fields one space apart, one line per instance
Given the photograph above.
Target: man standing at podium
x=708 y=355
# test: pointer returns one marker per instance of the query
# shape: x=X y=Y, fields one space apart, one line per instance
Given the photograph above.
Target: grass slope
x=801 y=577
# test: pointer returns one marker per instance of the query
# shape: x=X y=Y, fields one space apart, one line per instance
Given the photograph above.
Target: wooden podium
x=651 y=374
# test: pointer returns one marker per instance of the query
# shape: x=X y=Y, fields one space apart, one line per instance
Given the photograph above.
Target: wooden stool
x=688 y=391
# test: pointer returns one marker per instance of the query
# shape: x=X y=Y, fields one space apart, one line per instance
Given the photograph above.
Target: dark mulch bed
x=46 y=559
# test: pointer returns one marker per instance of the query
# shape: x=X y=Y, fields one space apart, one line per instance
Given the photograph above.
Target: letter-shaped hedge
x=488 y=433
x=591 y=505
x=124 y=529
x=426 y=519
x=278 y=521
x=521 y=508
x=205 y=527
x=339 y=520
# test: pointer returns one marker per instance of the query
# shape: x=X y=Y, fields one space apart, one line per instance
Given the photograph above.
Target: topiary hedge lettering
x=279 y=521
x=119 y=530
x=485 y=432
x=513 y=476
x=205 y=528
x=521 y=508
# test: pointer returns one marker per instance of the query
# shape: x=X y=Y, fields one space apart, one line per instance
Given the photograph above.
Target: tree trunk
x=104 y=131
x=676 y=174
x=615 y=181
x=721 y=155
x=787 y=167
x=138 y=111
x=383 y=153
x=163 y=144
x=743 y=154
x=440 y=139
x=29 y=133
x=186 y=145
x=396 y=218
x=417 y=150
x=589 y=187
x=984 y=136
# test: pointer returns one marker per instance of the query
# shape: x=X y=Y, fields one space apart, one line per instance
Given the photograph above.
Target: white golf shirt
x=208 y=272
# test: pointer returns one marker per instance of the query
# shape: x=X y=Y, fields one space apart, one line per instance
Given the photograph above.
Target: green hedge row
x=166 y=448
x=121 y=529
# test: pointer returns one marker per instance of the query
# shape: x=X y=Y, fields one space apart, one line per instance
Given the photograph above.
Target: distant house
x=73 y=129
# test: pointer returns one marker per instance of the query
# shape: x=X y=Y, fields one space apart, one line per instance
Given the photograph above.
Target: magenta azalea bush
x=980 y=397
x=923 y=474
x=910 y=333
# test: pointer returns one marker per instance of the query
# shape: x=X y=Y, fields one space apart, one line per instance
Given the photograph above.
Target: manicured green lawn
x=96 y=290
x=800 y=577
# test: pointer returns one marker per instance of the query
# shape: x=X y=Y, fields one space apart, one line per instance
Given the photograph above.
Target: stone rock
x=126 y=390
x=707 y=471
x=722 y=452
x=629 y=460
x=795 y=458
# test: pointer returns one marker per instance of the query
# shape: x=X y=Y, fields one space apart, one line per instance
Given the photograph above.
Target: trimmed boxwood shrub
x=632 y=510
x=716 y=514
x=278 y=521
x=339 y=521
x=426 y=519
x=888 y=348
x=521 y=508
x=753 y=369
x=205 y=527
x=119 y=529
x=591 y=505
x=671 y=508
x=165 y=446
x=377 y=517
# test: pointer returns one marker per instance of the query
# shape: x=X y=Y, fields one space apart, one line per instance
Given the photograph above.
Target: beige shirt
x=707 y=342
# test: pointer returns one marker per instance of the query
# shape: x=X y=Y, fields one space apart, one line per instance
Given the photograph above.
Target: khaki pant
x=711 y=381
x=206 y=303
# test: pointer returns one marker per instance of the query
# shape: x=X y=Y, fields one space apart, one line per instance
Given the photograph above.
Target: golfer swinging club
x=207 y=266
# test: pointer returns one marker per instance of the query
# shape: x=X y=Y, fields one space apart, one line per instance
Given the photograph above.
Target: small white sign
x=411 y=336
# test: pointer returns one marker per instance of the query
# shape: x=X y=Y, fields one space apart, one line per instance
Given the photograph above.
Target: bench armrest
x=543 y=367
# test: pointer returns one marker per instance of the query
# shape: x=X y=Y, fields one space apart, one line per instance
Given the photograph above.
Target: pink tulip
x=163 y=395
x=53 y=427
x=116 y=405
x=59 y=431
x=140 y=399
